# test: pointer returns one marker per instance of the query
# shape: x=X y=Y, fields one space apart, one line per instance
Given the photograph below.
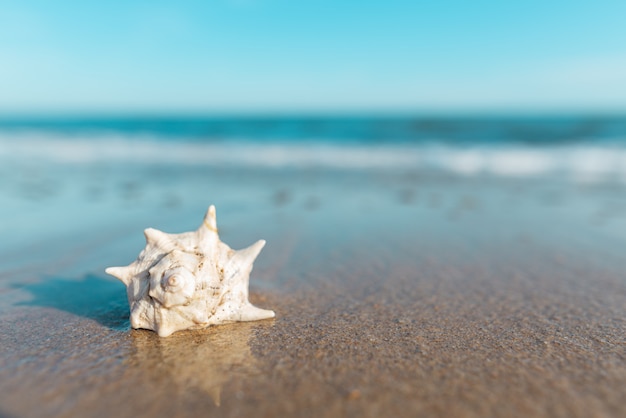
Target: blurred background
x=275 y=72
x=110 y=106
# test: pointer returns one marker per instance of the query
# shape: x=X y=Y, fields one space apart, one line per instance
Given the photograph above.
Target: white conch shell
x=189 y=281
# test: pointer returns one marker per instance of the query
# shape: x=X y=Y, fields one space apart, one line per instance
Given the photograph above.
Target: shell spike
x=252 y=252
x=208 y=230
x=252 y=313
x=121 y=273
x=157 y=238
x=247 y=256
x=210 y=220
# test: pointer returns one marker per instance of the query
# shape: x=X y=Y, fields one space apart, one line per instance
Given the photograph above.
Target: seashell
x=189 y=281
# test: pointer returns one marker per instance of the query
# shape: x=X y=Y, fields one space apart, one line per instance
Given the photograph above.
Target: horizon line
x=311 y=113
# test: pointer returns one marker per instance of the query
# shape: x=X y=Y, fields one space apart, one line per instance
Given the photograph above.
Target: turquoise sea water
x=62 y=178
x=588 y=148
x=467 y=130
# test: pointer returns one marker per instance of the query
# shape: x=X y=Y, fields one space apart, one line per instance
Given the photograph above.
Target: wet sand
x=396 y=295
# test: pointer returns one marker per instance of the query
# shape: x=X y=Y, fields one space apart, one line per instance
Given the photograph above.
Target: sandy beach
x=436 y=192
x=397 y=293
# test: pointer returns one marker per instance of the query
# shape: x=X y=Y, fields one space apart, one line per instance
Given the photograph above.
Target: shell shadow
x=92 y=297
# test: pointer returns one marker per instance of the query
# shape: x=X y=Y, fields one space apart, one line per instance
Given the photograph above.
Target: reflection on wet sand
x=202 y=360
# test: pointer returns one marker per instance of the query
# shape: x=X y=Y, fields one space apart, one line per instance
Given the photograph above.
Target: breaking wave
x=583 y=161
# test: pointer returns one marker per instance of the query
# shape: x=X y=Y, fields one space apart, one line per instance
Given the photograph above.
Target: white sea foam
x=582 y=162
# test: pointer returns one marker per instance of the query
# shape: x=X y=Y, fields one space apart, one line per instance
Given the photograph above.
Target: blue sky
x=312 y=56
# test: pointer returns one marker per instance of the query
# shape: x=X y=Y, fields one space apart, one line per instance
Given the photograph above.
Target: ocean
x=66 y=180
x=591 y=148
